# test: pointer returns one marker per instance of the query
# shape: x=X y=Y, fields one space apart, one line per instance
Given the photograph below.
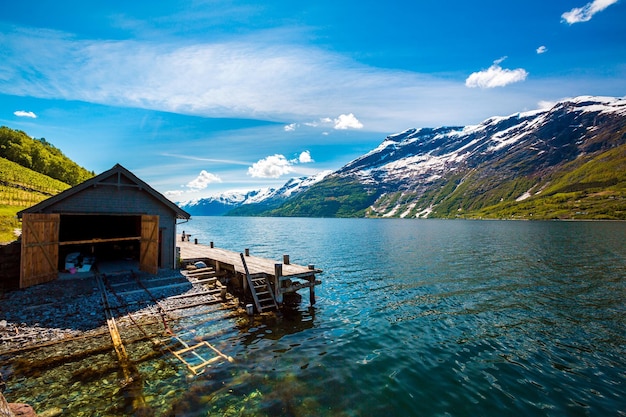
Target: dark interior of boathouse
x=107 y=228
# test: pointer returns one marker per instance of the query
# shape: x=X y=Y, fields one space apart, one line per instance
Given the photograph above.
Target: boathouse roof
x=118 y=175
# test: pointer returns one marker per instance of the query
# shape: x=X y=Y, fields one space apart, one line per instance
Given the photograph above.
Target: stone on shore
x=22 y=410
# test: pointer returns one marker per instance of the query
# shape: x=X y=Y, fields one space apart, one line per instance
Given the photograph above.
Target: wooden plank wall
x=149 y=246
x=40 y=249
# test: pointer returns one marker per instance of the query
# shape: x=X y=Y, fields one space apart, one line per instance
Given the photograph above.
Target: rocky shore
x=73 y=306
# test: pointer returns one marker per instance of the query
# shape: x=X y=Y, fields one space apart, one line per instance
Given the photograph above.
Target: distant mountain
x=565 y=162
x=250 y=203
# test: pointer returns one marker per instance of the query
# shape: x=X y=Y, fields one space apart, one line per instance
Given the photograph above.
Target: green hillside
x=31 y=170
x=40 y=156
x=591 y=187
x=335 y=197
x=21 y=188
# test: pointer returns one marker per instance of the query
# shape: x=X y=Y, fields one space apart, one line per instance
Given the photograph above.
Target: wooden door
x=40 y=249
x=149 y=246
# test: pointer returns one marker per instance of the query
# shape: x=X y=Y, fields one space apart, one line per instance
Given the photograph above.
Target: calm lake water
x=417 y=318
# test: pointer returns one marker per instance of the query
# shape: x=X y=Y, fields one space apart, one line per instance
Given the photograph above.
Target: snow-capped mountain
x=451 y=171
x=250 y=201
x=567 y=161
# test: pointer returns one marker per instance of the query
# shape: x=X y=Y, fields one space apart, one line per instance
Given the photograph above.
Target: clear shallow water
x=420 y=318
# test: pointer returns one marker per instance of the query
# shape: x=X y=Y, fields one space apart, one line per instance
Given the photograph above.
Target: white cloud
x=271 y=167
x=22 y=113
x=585 y=13
x=277 y=165
x=546 y=105
x=305 y=157
x=342 y=122
x=203 y=180
x=495 y=76
x=347 y=121
x=173 y=194
x=542 y=50
x=500 y=60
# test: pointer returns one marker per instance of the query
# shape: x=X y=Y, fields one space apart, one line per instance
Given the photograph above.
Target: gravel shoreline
x=72 y=306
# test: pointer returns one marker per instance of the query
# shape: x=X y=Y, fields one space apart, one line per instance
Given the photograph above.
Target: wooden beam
x=99 y=240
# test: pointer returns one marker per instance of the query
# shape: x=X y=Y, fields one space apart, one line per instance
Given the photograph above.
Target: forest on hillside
x=40 y=156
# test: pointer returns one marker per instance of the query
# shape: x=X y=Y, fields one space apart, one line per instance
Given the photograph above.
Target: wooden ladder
x=261 y=290
x=195 y=366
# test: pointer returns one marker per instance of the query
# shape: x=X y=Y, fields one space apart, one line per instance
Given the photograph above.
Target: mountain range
x=250 y=202
x=563 y=162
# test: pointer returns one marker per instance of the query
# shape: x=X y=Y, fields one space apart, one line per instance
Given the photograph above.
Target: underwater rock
x=22 y=410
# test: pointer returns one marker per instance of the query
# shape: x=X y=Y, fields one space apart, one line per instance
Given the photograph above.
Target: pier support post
x=312 y=290
x=311 y=279
x=247 y=251
x=278 y=272
x=211 y=245
x=286 y=259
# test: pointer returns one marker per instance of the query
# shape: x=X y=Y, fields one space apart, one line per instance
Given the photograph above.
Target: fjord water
x=434 y=318
x=414 y=318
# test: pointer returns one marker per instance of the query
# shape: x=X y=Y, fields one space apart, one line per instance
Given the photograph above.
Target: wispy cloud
x=22 y=113
x=256 y=78
x=277 y=165
x=291 y=127
x=341 y=122
x=585 y=13
x=173 y=194
x=239 y=78
x=542 y=50
x=546 y=104
x=200 y=159
x=203 y=180
x=495 y=76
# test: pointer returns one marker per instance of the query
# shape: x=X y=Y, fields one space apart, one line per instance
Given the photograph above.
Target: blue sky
x=198 y=97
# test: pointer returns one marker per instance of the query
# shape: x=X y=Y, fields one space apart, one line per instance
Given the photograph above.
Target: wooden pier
x=266 y=280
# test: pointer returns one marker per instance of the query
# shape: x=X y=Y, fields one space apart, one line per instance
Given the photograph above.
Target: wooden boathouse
x=114 y=215
x=266 y=281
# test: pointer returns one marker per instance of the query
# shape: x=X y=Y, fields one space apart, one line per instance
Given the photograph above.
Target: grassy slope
x=333 y=197
x=21 y=188
x=591 y=187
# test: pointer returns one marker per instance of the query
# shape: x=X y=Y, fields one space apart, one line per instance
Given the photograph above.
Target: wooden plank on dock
x=190 y=252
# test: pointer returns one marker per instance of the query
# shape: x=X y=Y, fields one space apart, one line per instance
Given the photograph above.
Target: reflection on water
x=459 y=318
